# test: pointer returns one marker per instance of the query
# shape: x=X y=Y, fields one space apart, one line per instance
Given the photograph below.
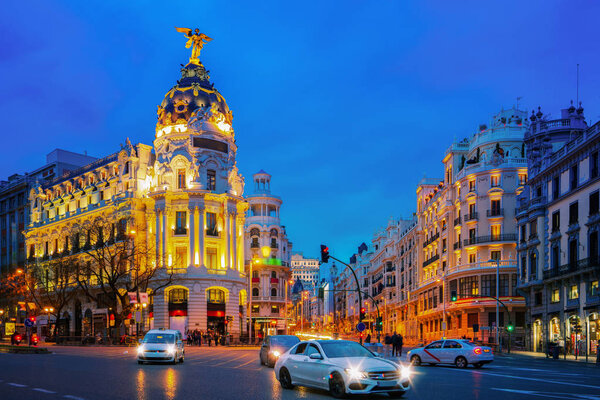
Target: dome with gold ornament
x=193 y=94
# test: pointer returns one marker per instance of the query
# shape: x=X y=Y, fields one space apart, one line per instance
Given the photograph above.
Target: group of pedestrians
x=396 y=341
x=197 y=337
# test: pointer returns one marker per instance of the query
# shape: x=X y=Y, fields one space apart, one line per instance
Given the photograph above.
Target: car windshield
x=159 y=338
x=344 y=349
x=285 y=341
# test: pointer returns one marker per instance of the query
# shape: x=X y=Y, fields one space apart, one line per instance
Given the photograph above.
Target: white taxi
x=161 y=345
x=459 y=352
x=342 y=367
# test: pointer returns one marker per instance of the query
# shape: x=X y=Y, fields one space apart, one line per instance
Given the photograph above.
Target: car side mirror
x=315 y=356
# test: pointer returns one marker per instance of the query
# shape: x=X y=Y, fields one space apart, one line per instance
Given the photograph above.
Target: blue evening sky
x=347 y=104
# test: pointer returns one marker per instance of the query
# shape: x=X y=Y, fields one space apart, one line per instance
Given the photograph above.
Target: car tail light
x=477 y=350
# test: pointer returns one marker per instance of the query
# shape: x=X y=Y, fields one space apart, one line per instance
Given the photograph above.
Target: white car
x=161 y=345
x=452 y=351
x=342 y=367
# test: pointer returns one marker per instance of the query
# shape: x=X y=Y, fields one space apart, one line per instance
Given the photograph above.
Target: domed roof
x=298 y=287
x=192 y=91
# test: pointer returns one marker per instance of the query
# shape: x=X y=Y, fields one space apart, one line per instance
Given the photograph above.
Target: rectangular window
x=496 y=254
x=574 y=176
x=472 y=259
x=594 y=165
x=211 y=224
x=537 y=298
x=574 y=213
x=492 y=318
x=555 y=296
x=472 y=210
x=472 y=186
x=488 y=285
x=556 y=221
x=495 y=231
x=468 y=286
x=594 y=288
x=211 y=258
x=573 y=292
x=533 y=229
x=211 y=180
x=255 y=309
x=181 y=255
x=180 y=222
x=522 y=179
x=495 y=180
x=523 y=233
x=181 y=179
x=274 y=309
x=472 y=319
x=495 y=208
x=556 y=187
x=594 y=204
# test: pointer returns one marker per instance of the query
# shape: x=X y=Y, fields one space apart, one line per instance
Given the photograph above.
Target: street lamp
x=491 y=260
x=287 y=282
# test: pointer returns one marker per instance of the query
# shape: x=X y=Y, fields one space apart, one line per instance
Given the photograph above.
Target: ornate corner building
x=182 y=201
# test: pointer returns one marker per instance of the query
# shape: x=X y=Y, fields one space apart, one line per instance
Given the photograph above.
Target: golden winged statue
x=196 y=41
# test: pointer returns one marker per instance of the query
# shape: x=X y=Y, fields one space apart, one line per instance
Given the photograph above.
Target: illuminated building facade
x=268 y=251
x=306 y=270
x=181 y=199
x=559 y=220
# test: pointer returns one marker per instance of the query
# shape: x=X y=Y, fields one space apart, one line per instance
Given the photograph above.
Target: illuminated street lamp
x=265 y=250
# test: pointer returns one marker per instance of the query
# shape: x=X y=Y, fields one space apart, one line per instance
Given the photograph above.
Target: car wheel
x=337 y=388
x=285 y=379
x=415 y=360
x=478 y=365
x=461 y=362
x=396 y=395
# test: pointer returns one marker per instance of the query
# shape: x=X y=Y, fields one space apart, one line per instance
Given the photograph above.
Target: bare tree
x=52 y=284
x=117 y=261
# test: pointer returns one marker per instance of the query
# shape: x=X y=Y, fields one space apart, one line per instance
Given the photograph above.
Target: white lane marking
x=70 y=396
x=229 y=360
x=529 y=379
x=16 y=384
x=43 y=390
x=241 y=365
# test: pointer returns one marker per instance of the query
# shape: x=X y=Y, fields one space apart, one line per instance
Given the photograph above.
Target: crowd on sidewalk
x=197 y=338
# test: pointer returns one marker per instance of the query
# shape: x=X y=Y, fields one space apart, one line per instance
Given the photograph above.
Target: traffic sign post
x=361 y=326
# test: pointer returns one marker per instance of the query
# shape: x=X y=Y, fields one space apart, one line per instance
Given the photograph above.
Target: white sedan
x=452 y=351
x=342 y=367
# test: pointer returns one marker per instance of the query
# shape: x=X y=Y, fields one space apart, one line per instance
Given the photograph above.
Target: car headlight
x=140 y=349
x=405 y=372
x=276 y=353
x=353 y=373
x=171 y=349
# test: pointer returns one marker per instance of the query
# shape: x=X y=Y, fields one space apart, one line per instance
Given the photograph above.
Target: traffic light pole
x=357 y=290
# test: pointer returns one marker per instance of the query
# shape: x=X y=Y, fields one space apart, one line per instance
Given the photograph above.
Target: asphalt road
x=230 y=373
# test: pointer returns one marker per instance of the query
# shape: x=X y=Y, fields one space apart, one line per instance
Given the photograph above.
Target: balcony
x=571 y=267
x=254 y=245
x=431 y=240
x=457 y=245
x=495 y=212
x=390 y=268
x=212 y=232
x=431 y=260
x=274 y=280
x=457 y=221
x=471 y=216
x=255 y=280
x=505 y=237
x=274 y=245
x=180 y=231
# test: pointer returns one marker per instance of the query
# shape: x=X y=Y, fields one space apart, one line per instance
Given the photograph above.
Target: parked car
x=459 y=352
x=342 y=367
x=161 y=345
x=274 y=346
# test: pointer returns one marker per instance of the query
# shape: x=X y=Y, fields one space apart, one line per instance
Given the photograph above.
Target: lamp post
x=287 y=282
x=491 y=260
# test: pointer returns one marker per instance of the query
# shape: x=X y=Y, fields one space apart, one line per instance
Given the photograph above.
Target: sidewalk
x=591 y=358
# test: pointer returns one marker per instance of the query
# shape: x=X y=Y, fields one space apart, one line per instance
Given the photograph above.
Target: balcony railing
x=571 y=267
x=212 y=232
x=180 y=231
x=471 y=216
x=254 y=245
x=495 y=212
x=431 y=240
x=431 y=260
x=505 y=237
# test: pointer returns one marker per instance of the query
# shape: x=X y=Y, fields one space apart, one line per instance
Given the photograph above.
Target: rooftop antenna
x=577 y=102
x=518 y=98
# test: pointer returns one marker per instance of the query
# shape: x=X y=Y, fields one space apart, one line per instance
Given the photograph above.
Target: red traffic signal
x=363 y=312
x=324 y=253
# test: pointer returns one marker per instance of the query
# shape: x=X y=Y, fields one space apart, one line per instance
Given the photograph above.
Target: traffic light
x=362 y=313
x=453 y=296
x=379 y=324
x=32 y=318
x=510 y=327
x=324 y=253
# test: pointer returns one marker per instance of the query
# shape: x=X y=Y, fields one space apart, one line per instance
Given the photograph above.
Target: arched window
x=273 y=274
x=274 y=232
x=178 y=296
x=273 y=292
x=215 y=296
x=254 y=292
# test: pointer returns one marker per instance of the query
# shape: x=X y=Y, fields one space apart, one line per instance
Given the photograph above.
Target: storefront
x=593 y=332
x=538 y=335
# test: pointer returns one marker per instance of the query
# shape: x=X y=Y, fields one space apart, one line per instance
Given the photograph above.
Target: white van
x=161 y=345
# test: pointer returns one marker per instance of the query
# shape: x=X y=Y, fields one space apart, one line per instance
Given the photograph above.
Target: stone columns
x=227 y=239
x=191 y=233
x=201 y=233
x=161 y=314
x=165 y=250
x=234 y=234
x=197 y=308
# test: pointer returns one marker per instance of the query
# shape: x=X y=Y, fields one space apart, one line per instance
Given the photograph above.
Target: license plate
x=486 y=350
x=386 y=384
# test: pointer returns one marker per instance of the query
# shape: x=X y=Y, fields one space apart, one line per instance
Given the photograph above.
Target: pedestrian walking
x=394 y=342
x=368 y=338
x=399 y=344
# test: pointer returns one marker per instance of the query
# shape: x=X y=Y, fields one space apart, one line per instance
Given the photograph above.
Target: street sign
x=9 y=328
x=475 y=328
x=361 y=326
x=443 y=325
x=138 y=316
x=29 y=323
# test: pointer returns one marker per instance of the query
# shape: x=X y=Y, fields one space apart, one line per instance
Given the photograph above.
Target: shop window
x=274 y=309
x=177 y=296
x=216 y=296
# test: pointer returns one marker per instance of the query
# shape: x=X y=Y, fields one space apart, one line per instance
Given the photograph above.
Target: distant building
x=305 y=269
x=14 y=203
x=559 y=220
